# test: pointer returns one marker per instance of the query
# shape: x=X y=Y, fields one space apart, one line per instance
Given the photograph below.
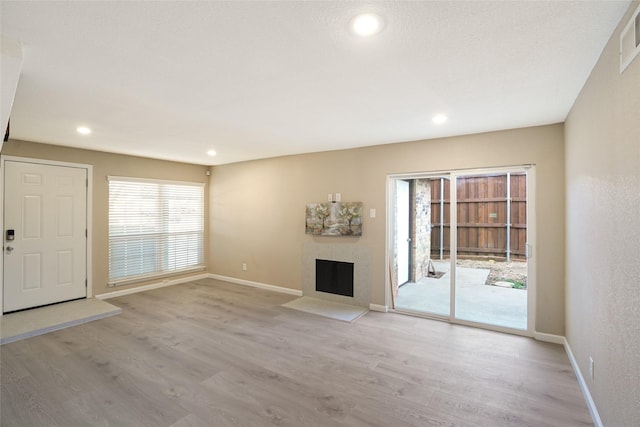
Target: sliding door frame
x=451 y=176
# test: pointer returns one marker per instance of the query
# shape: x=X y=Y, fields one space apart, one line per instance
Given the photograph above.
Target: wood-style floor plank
x=210 y=353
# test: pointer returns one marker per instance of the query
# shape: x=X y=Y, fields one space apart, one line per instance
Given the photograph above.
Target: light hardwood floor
x=211 y=353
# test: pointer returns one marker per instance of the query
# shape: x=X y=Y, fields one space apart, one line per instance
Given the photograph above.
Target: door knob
x=9 y=249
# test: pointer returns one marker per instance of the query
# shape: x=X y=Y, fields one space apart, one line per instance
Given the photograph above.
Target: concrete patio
x=475 y=301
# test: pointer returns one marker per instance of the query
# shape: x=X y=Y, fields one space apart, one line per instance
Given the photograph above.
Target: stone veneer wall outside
x=421 y=230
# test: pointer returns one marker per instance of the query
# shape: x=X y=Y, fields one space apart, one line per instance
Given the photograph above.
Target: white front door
x=45 y=243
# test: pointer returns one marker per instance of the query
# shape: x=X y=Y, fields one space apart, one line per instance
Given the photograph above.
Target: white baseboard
x=158 y=285
x=583 y=386
x=555 y=339
x=378 y=307
x=256 y=284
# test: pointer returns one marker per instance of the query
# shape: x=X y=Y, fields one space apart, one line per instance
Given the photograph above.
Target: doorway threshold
x=424 y=315
x=30 y=323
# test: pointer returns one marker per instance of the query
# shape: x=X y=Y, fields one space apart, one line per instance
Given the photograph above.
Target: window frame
x=161 y=237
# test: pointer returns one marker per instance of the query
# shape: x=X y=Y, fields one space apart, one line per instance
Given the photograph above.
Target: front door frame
x=89 y=170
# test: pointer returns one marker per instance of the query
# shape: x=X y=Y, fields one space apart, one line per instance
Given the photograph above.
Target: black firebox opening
x=334 y=277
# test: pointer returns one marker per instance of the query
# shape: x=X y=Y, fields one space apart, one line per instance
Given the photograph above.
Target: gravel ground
x=514 y=271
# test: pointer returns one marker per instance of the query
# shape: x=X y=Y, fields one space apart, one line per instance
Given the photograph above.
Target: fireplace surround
x=345 y=253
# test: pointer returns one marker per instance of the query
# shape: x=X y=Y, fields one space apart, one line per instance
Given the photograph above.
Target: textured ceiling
x=251 y=80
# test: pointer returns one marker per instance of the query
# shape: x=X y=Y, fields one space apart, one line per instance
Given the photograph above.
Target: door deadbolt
x=11 y=234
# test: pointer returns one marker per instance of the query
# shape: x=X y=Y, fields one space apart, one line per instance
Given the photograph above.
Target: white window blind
x=155 y=228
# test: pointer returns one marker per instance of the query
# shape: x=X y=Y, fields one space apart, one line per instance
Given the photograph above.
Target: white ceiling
x=251 y=80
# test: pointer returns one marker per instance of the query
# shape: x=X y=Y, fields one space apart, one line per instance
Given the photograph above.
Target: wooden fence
x=492 y=217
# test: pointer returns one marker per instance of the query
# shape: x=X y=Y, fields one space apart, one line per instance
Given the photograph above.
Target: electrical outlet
x=244 y=266
x=591 y=367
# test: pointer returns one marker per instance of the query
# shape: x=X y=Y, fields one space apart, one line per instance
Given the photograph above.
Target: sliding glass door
x=421 y=286
x=470 y=245
x=491 y=252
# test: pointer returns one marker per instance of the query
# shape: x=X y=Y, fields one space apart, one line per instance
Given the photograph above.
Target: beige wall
x=105 y=164
x=257 y=208
x=603 y=234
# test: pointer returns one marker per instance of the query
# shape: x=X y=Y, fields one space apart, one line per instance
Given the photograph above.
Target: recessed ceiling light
x=211 y=153
x=366 y=24
x=83 y=130
x=439 y=119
